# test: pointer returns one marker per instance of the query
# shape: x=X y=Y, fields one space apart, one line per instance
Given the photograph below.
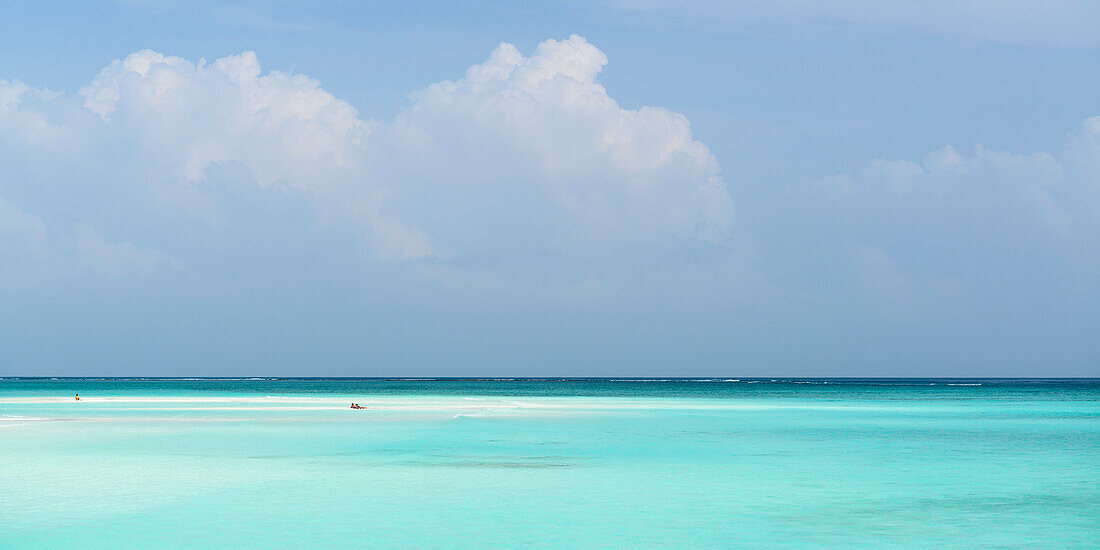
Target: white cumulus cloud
x=522 y=141
x=523 y=153
x=285 y=128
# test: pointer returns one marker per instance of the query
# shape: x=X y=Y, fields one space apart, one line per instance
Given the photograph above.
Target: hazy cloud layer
x=980 y=223
x=30 y=252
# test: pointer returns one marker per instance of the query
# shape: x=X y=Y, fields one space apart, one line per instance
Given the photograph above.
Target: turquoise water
x=750 y=463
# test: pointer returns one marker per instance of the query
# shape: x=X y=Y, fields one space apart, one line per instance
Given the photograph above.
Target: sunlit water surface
x=549 y=463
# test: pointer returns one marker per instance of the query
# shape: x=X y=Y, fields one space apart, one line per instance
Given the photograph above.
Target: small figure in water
x=78 y=397
x=356 y=406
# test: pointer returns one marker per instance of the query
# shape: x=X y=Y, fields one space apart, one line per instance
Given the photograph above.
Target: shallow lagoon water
x=549 y=463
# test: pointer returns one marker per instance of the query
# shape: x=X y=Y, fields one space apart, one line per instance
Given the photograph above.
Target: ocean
x=549 y=463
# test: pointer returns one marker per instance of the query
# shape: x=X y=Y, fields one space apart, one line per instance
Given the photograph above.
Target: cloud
x=536 y=145
x=20 y=231
x=284 y=128
x=1021 y=182
x=25 y=123
x=29 y=252
x=9 y=94
x=521 y=154
x=899 y=174
x=92 y=251
x=972 y=221
x=1083 y=152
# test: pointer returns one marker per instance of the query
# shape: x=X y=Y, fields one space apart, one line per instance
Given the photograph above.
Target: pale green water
x=566 y=464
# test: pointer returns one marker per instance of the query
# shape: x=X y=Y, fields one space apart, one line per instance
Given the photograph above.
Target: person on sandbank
x=78 y=397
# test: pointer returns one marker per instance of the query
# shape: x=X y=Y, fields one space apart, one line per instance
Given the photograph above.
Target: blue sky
x=567 y=188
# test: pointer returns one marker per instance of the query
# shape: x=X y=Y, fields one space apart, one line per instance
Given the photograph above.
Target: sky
x=620 y=188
